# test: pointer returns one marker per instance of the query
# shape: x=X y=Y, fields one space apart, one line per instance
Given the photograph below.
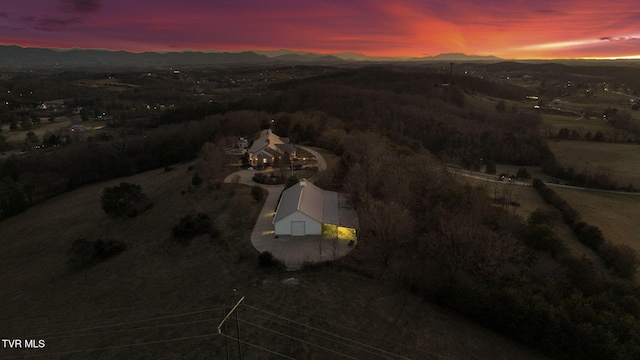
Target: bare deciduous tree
x=215 y=159
x=457 y=241
x=386 y=227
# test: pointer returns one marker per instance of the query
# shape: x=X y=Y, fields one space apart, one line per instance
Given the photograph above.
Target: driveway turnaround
x=293 y=251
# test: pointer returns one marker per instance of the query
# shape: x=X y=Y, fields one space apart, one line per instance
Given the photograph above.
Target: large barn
x=307 y=210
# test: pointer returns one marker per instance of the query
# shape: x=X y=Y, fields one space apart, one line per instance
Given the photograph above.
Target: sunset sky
x=510 y=29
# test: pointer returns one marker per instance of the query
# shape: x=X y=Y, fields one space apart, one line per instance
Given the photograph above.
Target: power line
x=40 y=318
x=302 y=341
x=363 y=332
x=260 y=347
x=131 y=322
x=325 y=332
x=337 y=341
x=134 y=329
x=283 y=321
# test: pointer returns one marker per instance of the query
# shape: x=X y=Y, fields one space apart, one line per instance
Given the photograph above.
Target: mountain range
x=16 y=57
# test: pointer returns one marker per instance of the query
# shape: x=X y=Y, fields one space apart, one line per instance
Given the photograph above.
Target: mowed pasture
x=20 y=135
x=163 y=300
x=597 y=105
x=615 y=214
x=621 y=159
x=525 y=200
x=554 y=122
x=61 y=124
x=109 y=84
x=600 y=100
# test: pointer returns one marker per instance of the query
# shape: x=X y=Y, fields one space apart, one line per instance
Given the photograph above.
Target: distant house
x=269 y=147
x=555 y=104
x=52 y=105
x=242 y=143
x=77 y=128
x=306 y=209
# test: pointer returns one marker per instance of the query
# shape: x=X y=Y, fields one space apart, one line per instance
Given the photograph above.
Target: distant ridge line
x=13 y=56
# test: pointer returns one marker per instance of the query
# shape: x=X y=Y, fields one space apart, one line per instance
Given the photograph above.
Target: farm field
x=595 y=106
x=526 y=197
x=526 y=200
x=553 y=123
x=46 y=127
x=622 y=160
x=163 y=300
x=615 y=214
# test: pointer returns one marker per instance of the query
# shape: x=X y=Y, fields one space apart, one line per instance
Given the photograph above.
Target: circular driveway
x=294 y=252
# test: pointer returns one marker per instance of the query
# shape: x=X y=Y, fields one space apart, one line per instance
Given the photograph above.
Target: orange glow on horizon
x=544 y=29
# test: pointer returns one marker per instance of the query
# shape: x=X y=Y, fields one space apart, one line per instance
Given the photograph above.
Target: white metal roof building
x=305 y=209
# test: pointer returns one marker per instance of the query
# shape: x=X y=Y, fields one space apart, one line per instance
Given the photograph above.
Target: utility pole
x=226 y=340
x=235 y=295
x=222 y=323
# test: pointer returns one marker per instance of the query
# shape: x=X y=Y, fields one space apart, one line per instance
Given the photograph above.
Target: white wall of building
x=312 y=226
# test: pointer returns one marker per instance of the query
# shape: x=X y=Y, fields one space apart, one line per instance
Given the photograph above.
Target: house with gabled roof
x=268 y=147
x=307 y=210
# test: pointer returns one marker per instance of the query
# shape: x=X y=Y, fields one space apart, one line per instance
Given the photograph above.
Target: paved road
x=292 y=251
x=494 y=179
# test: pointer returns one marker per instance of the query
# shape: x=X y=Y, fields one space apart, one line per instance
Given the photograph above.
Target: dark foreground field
x=163 y=300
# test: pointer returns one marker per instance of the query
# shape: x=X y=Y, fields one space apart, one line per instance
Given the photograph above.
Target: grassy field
x=623 y=160
x=600 y=101
x=161 y=300
x=526 y=197
x=526 y=200
x=553 y=123
x=616 y=215
x=61 y=124
x=596 y=105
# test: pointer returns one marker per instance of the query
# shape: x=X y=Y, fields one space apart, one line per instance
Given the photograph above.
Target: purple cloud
x=80 y=6
x=621 y=38
x=75 y=11
x=49 y=23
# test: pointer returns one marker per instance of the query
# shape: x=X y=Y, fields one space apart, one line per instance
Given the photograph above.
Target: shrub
x=599 y=136
x=85 y=252
x=192 y=225
x=591 y=236
x=268 y=179
x=523 y=173
x=122 y=199
x=622 y=259
x=257 y=193
x=577 y=226
x=569 y=214
x=196 y=180
x=266 y=260
x=541 y=237
x=291 y=181
x=548 y=217
x=491 y=167
x=13 y=199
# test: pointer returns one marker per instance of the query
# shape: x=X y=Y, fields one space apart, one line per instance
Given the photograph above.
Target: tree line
x=449 y=243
